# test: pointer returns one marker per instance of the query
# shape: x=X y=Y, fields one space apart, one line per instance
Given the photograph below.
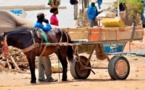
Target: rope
x=43 y=50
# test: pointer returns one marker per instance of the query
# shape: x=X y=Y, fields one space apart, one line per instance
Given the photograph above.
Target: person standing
x=122 y=8
x=75 y=5
x=54 y=3
x=92 y=13
x=44 y=63
x=39 y=24
x=99 y=3
x=53 y=18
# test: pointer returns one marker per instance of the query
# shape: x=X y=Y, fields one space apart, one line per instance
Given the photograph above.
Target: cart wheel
x=77 y=71
x=118 y=68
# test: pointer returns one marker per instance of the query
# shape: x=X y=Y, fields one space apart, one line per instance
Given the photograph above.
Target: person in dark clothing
x=44 y=63
x=122 y=8
x=92 y=13
x=40 y=19
x=99 y=3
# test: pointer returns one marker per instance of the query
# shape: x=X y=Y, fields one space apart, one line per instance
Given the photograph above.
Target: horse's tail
x=70 y=50
x=70 y=53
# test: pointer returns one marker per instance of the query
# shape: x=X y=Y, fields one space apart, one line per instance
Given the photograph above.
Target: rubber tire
x=111 y=68
x=74 y=68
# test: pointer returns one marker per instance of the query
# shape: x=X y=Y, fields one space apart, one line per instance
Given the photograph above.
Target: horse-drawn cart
x=103 y=41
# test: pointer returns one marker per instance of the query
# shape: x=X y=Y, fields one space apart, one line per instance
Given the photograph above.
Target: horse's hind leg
x=62 y=58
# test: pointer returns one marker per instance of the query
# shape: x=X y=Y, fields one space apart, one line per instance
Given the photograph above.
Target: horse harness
x=35 y=32
x=34 y=44
x=5 y=45
x=58 y=42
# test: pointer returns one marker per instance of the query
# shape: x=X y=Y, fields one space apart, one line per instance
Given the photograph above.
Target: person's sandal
x=52 y=80
x=42 y=80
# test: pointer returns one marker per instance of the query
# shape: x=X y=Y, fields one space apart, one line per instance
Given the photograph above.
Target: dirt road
x=99 y=81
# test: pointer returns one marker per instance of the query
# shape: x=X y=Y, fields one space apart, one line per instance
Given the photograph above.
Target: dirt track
x=99 y=81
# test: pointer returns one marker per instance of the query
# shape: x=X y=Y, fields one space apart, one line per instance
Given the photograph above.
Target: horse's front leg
x=31 y=61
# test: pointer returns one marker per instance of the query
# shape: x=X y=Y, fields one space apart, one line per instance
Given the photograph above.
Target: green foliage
x=134 y=11
x=131 y=1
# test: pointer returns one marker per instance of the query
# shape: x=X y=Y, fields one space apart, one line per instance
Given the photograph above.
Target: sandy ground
x=99 y=81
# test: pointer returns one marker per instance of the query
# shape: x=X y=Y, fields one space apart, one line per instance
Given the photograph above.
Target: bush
x=134 y=11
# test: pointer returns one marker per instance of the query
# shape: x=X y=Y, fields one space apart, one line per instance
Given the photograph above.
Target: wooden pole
x=14 y=62
x=9 y=66
x=118 y=8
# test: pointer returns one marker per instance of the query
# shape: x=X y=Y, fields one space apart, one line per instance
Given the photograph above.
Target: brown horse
x=26 y=39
